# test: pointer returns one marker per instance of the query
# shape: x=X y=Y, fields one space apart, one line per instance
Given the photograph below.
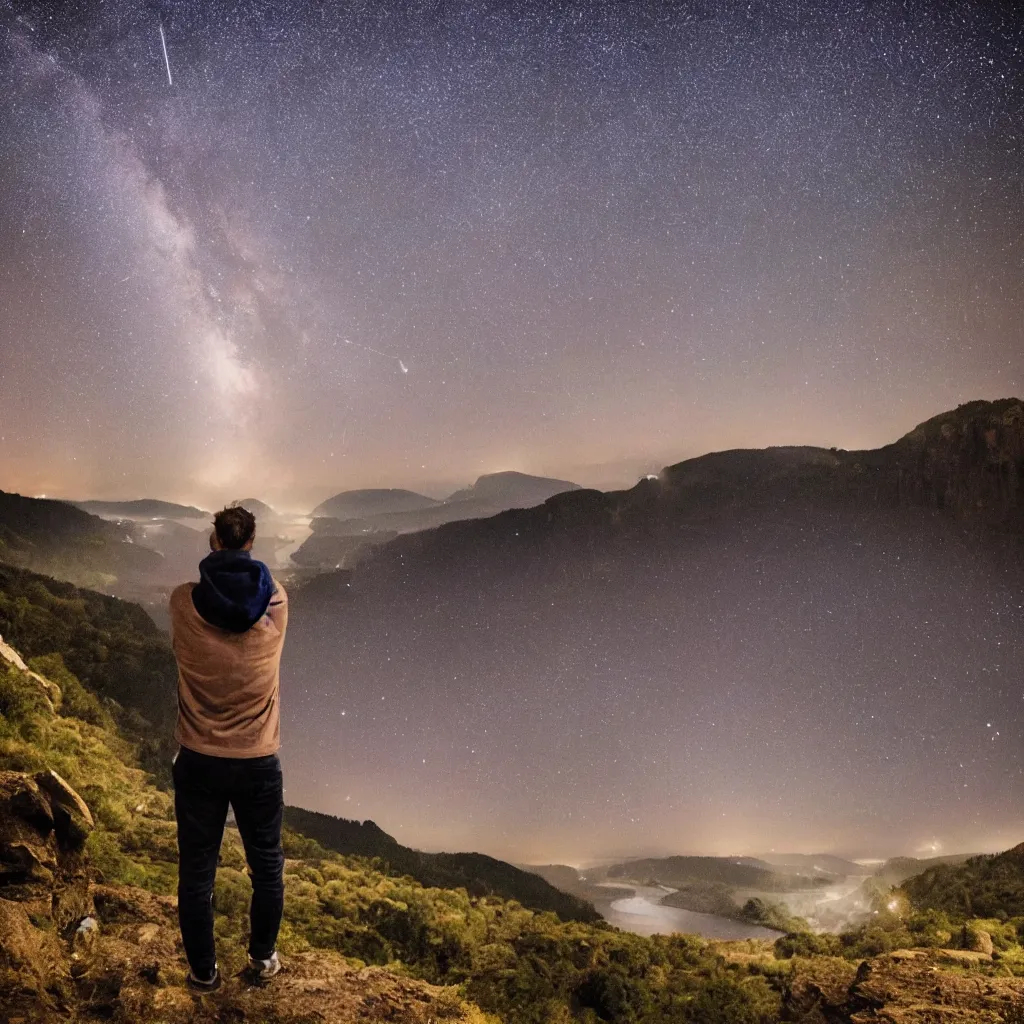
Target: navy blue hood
x=234 y=590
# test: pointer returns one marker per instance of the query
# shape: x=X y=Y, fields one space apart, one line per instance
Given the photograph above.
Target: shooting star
x=377 y=352
x=167 y=63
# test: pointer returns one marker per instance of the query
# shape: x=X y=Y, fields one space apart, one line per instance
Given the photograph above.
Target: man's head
x=234 y=529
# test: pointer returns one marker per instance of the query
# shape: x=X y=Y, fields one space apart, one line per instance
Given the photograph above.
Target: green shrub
x=21 y=699
x=724 y=999
x=76 y=700
x=807 y=944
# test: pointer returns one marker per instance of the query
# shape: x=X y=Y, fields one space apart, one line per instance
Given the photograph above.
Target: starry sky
x=286 y=249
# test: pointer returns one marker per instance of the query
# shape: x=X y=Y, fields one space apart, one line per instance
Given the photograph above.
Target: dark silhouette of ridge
x=477 y=873
x=372 y=501
x=141 y=507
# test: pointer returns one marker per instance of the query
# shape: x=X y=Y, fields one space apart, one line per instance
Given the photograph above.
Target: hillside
x=341 y=538
x=984 y=886
x=814 y=864
x=898 y=869
x=512 y=490
x=88 y=927
x=372 y=501
x=60 y=540
x=141 y=507
x=477 y=873
x=729 y=871
x=115 y=650
x=337 y=544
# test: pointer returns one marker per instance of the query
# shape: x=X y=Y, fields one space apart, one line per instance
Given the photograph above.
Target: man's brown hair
x=234 y=527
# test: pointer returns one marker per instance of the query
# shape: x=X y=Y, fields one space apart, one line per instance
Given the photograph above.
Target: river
x=644 y=914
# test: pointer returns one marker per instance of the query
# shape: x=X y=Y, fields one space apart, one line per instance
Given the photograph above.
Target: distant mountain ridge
x=373 y=501
x=260 y=509
x=634 y=584
x=141 y=507
x=813 y=863
x=350 y=514
x=742 y=872
x=510 y=489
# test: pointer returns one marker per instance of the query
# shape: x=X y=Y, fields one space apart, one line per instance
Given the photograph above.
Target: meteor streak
x=377 y=352
x=167 y=63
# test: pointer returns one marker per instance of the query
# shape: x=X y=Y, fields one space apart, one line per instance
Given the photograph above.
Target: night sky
x=255 y=248
x=405 y=244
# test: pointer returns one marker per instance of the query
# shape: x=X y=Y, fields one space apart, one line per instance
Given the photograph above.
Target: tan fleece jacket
x=228 y=683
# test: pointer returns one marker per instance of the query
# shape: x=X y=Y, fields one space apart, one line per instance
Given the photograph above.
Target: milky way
x=406 y=244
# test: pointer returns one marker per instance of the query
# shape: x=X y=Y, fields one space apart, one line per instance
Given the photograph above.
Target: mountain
x=111 y=646
x=333 y=544
x=512 y=490
x=142 y=507
x=738 y=566
x=491 y=494
x=88 y=927
x=372 y=502
x=814 y=864
x=477 y=873
x=729 y=871
x=898 y=869
x=260 y=509
x=983 y=886
x=60 y=540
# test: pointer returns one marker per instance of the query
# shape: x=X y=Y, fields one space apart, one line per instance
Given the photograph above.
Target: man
x=227 y=632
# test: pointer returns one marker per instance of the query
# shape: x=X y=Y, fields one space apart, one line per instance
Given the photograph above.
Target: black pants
x=203 y=788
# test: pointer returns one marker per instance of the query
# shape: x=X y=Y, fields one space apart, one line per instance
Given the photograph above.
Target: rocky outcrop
x=50 y=690
x=28 y=847
x=44 y=887
x=903 y=987
x=43 y=827
x=969 y=461
x=72 y=819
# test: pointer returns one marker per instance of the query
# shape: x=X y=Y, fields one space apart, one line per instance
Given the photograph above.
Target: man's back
x=228 y=682
x=227 y=632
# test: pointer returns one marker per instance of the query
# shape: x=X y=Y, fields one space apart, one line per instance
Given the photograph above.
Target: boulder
x=11 y=656
x=84 y=938
x=31 y=960
x=28 y=851
x=977 y=941
x=72 y=819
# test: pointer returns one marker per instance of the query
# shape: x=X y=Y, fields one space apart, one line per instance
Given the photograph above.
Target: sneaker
x=264 y=969
x=199 y=985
